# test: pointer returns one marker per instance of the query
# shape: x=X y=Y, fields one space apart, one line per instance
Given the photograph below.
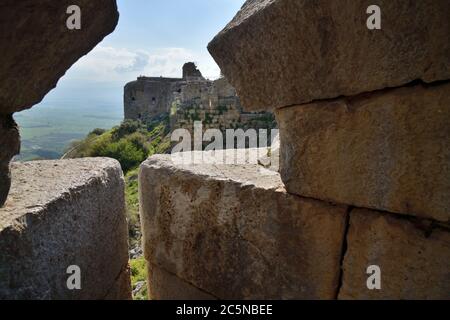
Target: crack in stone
x=185 y=281
x=343 y=252
x=366 y=93
x=123 y=269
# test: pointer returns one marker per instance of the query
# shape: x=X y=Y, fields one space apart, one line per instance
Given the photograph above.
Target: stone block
x=10 y=146
x=387 y=150
x=232 y=231
x=414 y=262
x=59 y=214
x=278 y=53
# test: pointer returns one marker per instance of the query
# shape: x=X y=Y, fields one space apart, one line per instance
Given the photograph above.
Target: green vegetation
x=130 y=143
x=139 y=275
x=132 y=202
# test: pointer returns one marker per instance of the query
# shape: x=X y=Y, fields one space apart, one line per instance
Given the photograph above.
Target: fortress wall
x=146 y=98
x=191 y=99
x=63 y=213
x=217 y=106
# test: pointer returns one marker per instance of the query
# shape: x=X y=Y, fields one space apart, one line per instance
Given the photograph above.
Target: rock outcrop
x=37 y=49
x=278 y=53
x=234 y=233
x=59 y=214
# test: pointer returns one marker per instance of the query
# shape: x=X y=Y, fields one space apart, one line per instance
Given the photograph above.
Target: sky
x=153 y=38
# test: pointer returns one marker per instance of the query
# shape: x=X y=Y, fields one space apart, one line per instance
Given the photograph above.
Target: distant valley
x=49 y=128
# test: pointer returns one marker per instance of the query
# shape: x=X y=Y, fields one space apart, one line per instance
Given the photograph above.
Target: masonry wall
x=148 y=97
x=191 y=99
x=217 y=106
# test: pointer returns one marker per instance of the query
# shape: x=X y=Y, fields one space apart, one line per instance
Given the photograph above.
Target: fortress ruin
x=191 y=98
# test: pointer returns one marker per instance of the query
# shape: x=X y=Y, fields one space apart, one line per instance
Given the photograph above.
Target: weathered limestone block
x=234 y=233
x=278 y=53
x=38 y=48
x=388 y=150
x=63 y=213
x=413 y=265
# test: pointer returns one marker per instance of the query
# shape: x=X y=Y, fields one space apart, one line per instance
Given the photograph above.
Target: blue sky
x=154 y=38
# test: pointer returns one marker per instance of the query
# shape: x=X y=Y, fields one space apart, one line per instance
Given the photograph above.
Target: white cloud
x=108 y=64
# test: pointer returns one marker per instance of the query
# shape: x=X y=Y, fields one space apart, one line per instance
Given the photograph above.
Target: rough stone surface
x=190 y=71
x=37 y=48
x=233 y=232
x=9 y=146
x=278 y=53
x=166 y=286
x=62 y=213
x=413 y=265
x=388 y=150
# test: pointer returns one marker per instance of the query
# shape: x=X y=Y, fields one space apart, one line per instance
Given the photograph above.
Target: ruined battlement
x=189 y=99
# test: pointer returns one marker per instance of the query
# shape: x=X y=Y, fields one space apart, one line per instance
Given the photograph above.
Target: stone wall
x=364 y=147
x=59 y=214
x=192 y=98
x=148 y=97
x=216 y=105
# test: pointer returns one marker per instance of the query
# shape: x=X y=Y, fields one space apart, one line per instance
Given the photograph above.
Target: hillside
x=130 y=143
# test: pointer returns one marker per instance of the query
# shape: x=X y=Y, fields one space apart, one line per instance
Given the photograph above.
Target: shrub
x=127 y=127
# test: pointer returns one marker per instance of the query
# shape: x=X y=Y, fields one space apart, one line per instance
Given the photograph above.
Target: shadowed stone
x=166 y=286
x=37 y=49
x=63 y=213
x=9 y=146
x=278 y=53
x=414 y=264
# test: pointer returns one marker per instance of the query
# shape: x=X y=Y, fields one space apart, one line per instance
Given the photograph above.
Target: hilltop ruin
x=191 y=98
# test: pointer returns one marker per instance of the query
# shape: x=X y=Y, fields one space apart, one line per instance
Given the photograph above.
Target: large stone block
x=414 y=263
x=63 y=213
x=278 y=53
x=10 y=146
x=388 y=150
x=39 y=48
x=233 y=232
